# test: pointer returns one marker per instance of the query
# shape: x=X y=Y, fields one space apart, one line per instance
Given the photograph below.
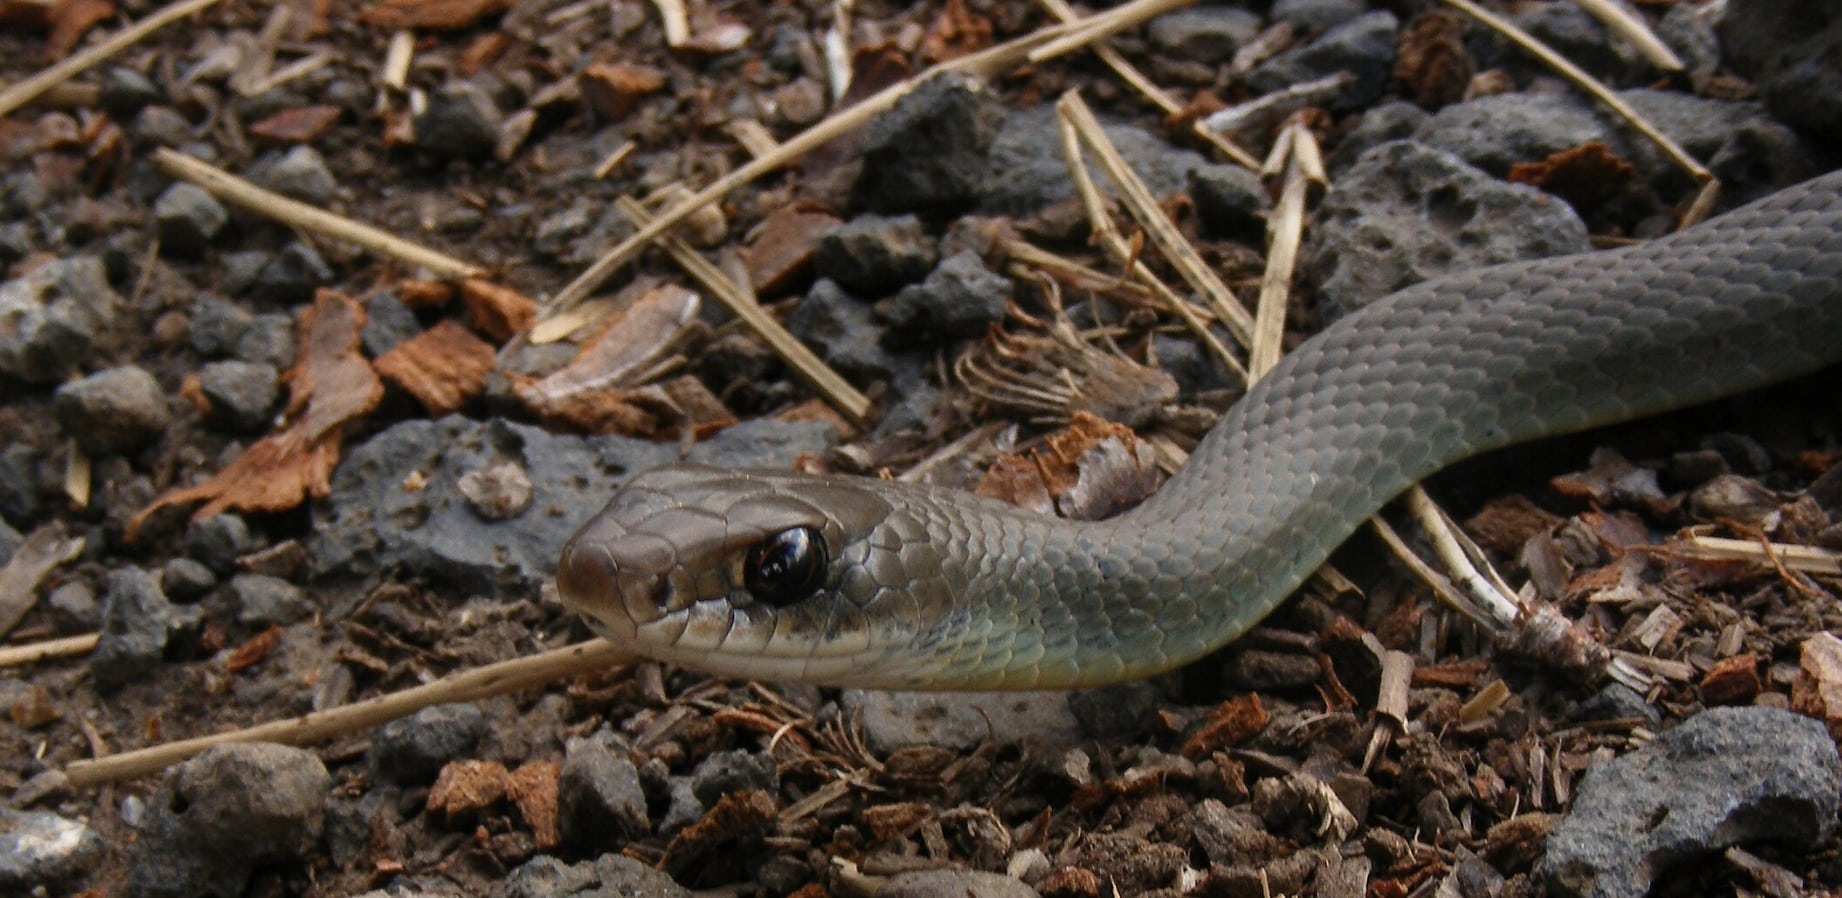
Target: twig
x=741 y=302
x=1803 y=559
x=1285 y=231
x=1099 y=26
x=32 y=653
x=295 y=214
x=472 y=685
x=1627 y=25
x=26 y=91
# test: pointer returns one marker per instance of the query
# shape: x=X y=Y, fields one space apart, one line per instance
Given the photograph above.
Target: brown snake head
x=767 y=575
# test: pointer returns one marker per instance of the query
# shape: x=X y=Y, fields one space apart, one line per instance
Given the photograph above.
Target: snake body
x=924 y=587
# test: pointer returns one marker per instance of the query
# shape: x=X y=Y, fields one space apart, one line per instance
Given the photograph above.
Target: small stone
x=927 y=154
x=1616 y=701
x=1208 y=34
x=185 y=579
x=844 y=331
x=959 y=299
x=49 y=318
x=161 y=126
x=411 y=751
x=460 y=122
x=300 y=173
x=609 y=876
x=1230 y=202
x=289 y=277
x=269 y=340
x=186 y=218
x=724 y=772
x=681 y=807
x=117 y=410
x=1743 y=453
x=263 y=600
x=242 y=394
x=216 y=325
x=871 y=255
x=126 y=91
x=136 y=624
x=219 y=816
x=217 y=541
x=1725 y=777
x=1362 y=47
x=388 y=321
x=1115 y=711
x=1398 y=120
x=41 y=852
x=498 y=492
x=1317 y=15
x=74 y=608
x=600 y=803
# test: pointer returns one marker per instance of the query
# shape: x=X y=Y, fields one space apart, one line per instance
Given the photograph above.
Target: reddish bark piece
x=303 y=124
x=436 y=15
x=781 y=254
x=614 y=88
x=533 y=791
x=1233 y=721
x=498 y=312
x=444 y=367
x=1585 y=175
x=329 y=386
x=251 y=653
x=1732 y=681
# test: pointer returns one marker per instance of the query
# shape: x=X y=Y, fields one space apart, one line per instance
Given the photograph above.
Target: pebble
x=242 y=394
x=161 y=126
x=269 y=340
x=74 y=608
x=413 y=749
x=961 y=720
x=388 y=322
x=288 y=277
x=216 y=325
x=600 y=804
x=1025 y=171
x=608 y=876
x=49 y=317
x=136 y=624
x=117 y=410
x=844 y=330
x=1406 y=212
x=873 y=255
x=1616 y=701
x=1362 y=46
x=40 y=850
x=959 y=299
x=681 y=807
x=219 y=816
x=186 y=219
x=23 y=482
x=1112 y=712
x=1379 y=125
x=1230 y=203
x=460 y=122
x=1788 y=48
x=927 y=155
x=263 y=600
x=126 y=91
x=300 y=173
x=1208 y=34
x=723 y=772
x=218 y=541
x=1725 y=777
x=186 y=579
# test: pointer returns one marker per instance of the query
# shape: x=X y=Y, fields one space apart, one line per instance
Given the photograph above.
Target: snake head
x=766 y=575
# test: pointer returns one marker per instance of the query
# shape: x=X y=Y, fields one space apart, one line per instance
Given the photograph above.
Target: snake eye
x=785 y=567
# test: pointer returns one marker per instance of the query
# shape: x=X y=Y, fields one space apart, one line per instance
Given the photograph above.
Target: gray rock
x=186 y=218
x=1127 y=709
x=74 y=608
x=959 y=299
x=126 y=92
x=608 y=876
x=1572 y=31
x=17 y=241
x=118 y=410
x=289 y=277
x=1789 y=48
x=1726 y=777
x=49 y=317
x=1196 y=369
x=1317 y=15
x=1380 y=124
x=952 y=884
x=1616 y=701
x=161 y=126
x=218 y=541
x=1363 y=47
x=185 y=579
x=216 y=325
x=242 y=394
x=368 y=524
x=1025 y=171
x=1406 y=212
x=219 y=816
x=844 y=331
x=1208 y=34
x=23 y=482
x=460 y=122
x=136 y=624
x=300 y=173
x=1685 y=30
x=41 y=851
x=388 y=321
x=927 y=154
x=263 y=600
x=961 y=720
x=269 y=340
x=1230 y=202
x=600 y=805
x=871 y=255
x=723 y=772
x=413 y=749
x=681 y=807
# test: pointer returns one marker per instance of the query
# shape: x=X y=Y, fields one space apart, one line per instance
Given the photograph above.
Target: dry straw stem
x=741 y=302
x=32 y=653
x=1158 y=227
x=982 y=64
x=1627 y=25
x=295 y=214
x=473 y=685
x=26 y=91
x=1100 y=26
x=1803 y=559
x=1158 y=96
x=1285 y=230
x=1704 y=201
x=1100 y=219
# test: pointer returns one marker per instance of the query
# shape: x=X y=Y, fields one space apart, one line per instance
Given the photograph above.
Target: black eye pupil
x=785 y=567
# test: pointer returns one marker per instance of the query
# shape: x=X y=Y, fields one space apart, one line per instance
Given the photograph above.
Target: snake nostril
x=585 y=572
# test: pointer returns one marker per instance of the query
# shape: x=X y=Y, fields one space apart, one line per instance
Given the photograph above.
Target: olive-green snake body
x=852 y=581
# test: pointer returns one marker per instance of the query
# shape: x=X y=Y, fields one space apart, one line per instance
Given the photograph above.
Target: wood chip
x=1817 y=690
x=302 y=124
x=434 y=15
x=444 y=367
x=498 y=312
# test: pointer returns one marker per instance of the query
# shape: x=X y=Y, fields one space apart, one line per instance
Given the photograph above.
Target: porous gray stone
x=43 y=853
x=50 y=315
x=871 y=255
x=187 y=219
x=961 y=720
x=600 y=805
x=608 y=876
x=413 y=749
x=117 y=410
x=1362 y=46
x=844 y=330
x=136 y=624
x=926 y=155
x=959 y=299
x=242 y=394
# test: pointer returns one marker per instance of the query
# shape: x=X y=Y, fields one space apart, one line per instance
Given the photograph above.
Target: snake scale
x=861 y=582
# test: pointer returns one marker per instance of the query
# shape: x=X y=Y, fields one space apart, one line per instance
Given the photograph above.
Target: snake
x=864 y=582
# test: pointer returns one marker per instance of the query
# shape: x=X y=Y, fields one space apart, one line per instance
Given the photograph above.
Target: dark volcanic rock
x=927 y=154
x=412 y=750
x=609 y=876
x=118 y=410
x=1790 y=48
x=1363 y=47
x=959 y=299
